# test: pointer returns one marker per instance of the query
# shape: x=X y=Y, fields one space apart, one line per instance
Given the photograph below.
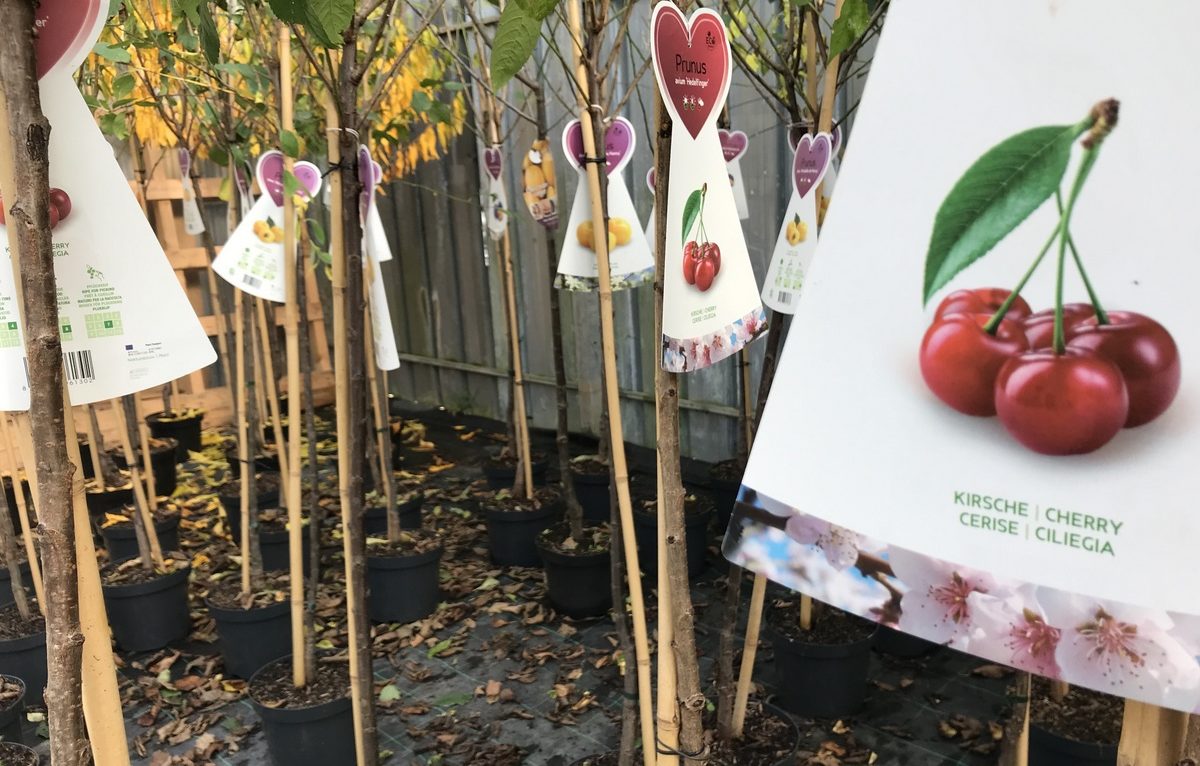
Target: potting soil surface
x=495 y=676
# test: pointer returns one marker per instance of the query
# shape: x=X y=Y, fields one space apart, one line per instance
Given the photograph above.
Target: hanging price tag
x=797 y=240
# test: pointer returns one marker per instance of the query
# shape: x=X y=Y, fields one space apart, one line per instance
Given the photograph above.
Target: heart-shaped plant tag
x=811 y=161
x=185 y=161
x=366 y=173
x=691 y=63
x=66 y=29
x=308 y=176
x=733 y=143
x=270 y=175
x=493 y=161
x=651 y=177
x=619 y=143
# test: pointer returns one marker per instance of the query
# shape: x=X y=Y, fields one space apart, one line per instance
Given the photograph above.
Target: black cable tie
x=596 y=160
x=700 y=755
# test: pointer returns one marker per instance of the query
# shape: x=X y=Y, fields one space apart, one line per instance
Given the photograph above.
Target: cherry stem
x=1101 y=314
x=994 y=323
x=1064 y=225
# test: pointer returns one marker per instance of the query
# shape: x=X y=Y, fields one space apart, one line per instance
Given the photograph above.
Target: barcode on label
x=251 y=281
x=785 y=298
x=78 y=365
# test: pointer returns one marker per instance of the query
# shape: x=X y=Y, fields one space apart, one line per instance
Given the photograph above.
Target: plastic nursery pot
x=579 y=585
x=273 y=542
x=592 y=491
x=250 y=638
x=25 y=658
x=185 y=431
x=162 y=463
x=696 y=524
x=512 y=535
x=10 y=717
x=267 y=498
x=403 y=588
x=897 y=643
x=121 y=539
x=1047 y=748
x=501 y=475
x=375 y=518
x=6 y=593
x=16 y=754
x=102 y=501
x=149 y=615
x=821 y=680
x=319 y=735
x=724 y=491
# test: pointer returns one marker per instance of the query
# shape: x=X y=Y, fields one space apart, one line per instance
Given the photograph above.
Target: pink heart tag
x=308 y=176
x=185 y=161
x=65 y=28
x=650 y=178
x=377 y=173
x=733 y=143
x=366 y=173
x=691 y=62
x=270 y=175
x=811 y=161
x=619 y=143
x=493 y=161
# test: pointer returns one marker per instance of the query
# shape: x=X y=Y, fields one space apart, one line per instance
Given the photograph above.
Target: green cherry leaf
x=997 y=193
x=691 y=209
x=516 y=38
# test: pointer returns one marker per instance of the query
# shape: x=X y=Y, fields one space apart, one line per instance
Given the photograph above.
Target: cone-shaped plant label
x=711 y=307
x=541 y=185
x=734 y=144
x=496 y=210
x=631 y=262
x=253 y=259
x=66 y=30
x=193 y=221
x=797 y=241
x=377 y=251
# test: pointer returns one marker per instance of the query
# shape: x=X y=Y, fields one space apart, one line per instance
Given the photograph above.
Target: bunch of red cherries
x=60 y=207
x=1114 y=370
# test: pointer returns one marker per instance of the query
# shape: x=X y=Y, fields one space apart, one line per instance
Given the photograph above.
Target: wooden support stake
x=152 y=552
x=1151 y=735
x=613 y=398
x=31 y=553
x=267 y=384
x=245 y=459
x=377 y=401
x=93 y=435
x=746 y=671
x=668 y=704
x=514 y=343
x=143 y=434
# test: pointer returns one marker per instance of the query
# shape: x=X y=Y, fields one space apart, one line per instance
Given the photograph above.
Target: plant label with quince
x=193 y=221
x=630 y=261
x=931 y=456
x=797 y=241
x=734 y=144
x=541 y=185
x=496 y=209
x=253 y=259
x=711 y=307
x=375 y=245
x=124 y=320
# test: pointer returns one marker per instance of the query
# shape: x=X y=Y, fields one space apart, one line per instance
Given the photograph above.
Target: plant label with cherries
x=711 y=307
x=253 y=259
x=733 y=145
x=124 y=321
x=377 y=250
x=541 y=185
x=193 y=221
x=986 y=434
x=797 y=239
x=496 y=206
x=630 y=261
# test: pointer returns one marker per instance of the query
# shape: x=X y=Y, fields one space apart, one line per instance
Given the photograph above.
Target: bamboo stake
x=514 y=341
x=746 y=671
x=668 y=704
x=143 y=433
x=122 y=411
x=382 y=441
x=341 y=354
x=1151 y=735
x=613 y=399
x=93 y=435
x=291 y=323
x=244 y=457
x=271 y=395
x=1022 y=749
x=260 y=399
x=10 y=467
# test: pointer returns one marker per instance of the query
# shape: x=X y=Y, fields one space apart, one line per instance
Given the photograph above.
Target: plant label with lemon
x=711 y=307
x=630 y=260
x=377 y=251
x=797 y=241
x=496 y=206
x=252 y=259
x=124 y=320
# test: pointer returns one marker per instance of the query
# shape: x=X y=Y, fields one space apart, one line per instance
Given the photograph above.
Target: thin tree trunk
x=726 y=674
x=25 y=170
x=775 y=333
x=315 y=512
x=250 y=545
x=12 y=558
x=106 y=471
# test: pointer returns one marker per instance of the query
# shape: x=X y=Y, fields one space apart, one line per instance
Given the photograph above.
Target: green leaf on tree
x=691 y=209
x=112 y=53
x=515 y=40
x=538 y=9
x=291 y=11
x=289 y=143
x=997 y=193
x=850 y=25
x=291 y=187
x=328 y=19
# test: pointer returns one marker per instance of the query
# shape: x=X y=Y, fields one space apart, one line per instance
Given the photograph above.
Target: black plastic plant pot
x=250 y=638
x=149 y=615
x=375 y=518
x=6 y=592
x=233 y=510
x=18 y=755
x=821 y=680
x=724 y=493
x=121 y=539
x=501 y=476
x=512 y=535
x=10 y=717
x=592 y=491
x=579 y=585
x=274 y=544
x=25 y=658
x=403 y=588
x=321 y=735
x=897 y=643
x=696 y=524
x=162 y=463
x=1047 y=748
x=185 y=432
x=100 y=502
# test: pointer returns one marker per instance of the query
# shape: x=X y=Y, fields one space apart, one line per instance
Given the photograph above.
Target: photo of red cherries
x=60 y=208
x=1122 y=371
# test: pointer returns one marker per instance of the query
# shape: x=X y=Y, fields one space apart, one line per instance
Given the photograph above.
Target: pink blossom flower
x=840 y=545
x=1015 y=631
x=937 y=604
x=1121 y=649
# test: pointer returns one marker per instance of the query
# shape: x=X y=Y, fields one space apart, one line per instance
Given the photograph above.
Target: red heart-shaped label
x=733 y=143
x=619 y=142
x=812 y=159
x=493 y=161
x=65 y=28
x=691 y=63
